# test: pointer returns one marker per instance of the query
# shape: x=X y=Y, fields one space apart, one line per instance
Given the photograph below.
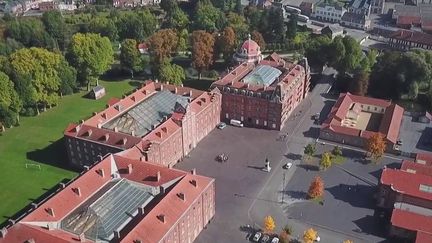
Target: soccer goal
x=32 y=166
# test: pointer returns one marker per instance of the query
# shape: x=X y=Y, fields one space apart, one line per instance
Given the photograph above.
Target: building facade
x=265 y=93
x=328 y=12
x=353 y=119
x=147 y=203
x=159 y=122
x=406 y=40
x=377 y=6
x=355 y=20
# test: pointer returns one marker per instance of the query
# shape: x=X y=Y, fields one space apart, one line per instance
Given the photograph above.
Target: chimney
x=62 y=185
x=164 y=129
x=3 y=232
x=104 y=115
x=141 y=210
x=86 y=167
x=142 y=159
x=159 y=134
x=182 y=196
x=50 y=211
x=194 y=183
x=89 y=132
x=203 y=99
x=34 y=205
x=77 y=190
x=115 y=129
x=157 y=81
x=106 y=136
x=158 y=176
x=101 y=172
x=133 y=98
x=94 y=113
x=161 y=87
x=133 y=133
x=193 y=171
x=82 y=121
x=117 y=234
x=99 y=125
x=190 y=93
x=124 y=140
x=129 y=168
x=161 y=217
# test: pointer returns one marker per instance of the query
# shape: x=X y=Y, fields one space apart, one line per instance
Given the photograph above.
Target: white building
x=328 y=12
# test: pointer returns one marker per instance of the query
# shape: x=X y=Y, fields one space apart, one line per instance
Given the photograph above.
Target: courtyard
x=415 y=136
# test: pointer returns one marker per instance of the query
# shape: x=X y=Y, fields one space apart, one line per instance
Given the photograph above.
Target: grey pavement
x=415 y=136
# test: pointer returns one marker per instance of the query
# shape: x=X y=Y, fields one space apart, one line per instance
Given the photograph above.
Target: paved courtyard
x=348 y=200
x=416 y=136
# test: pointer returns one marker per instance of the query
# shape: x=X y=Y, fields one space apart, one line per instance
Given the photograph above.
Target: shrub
x=337 y=151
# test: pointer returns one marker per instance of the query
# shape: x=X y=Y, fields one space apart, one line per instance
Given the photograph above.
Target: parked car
x=275 y=240
x=399 y=142
x=256 y=237
x=221 y=125
x=236 y=123
x=287 y=165
x=265 y=239
x=318 y=239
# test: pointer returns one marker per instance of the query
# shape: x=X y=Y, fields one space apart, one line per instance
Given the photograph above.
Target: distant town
x=216 y=121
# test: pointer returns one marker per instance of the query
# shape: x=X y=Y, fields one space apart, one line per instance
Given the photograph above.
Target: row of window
x=327 y=13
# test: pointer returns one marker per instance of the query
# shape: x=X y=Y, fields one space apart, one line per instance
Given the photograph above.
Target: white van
x=236 y=123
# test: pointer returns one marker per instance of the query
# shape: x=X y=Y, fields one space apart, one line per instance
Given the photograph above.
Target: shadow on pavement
x=309 y=167
x=371 y=224
x=296 y=194
x=313 y=132
x=360 y=196
x=293 y=156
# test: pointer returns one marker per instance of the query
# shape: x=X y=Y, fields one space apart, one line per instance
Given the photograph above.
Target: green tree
x=183 y=40
x=136 y=25
x=130 y=57
x=177 y=19
x=43 y=67
x=55 y=26
x=239 y=25
x=253 y=17
x=359 y=83
x=9 y=98
x=309 y=150
x=103 y=26
x=315 y=49
x=207 y=17
x=202 y=50
x=91 y=55
x=9 y=45
x=353 y=55
x=172 y=73
x=292 y=26
x=336 y=51
x=337 y=151
x=31 y=33
x=326 y=161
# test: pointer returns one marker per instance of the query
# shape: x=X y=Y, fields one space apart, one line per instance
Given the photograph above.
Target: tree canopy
x=172 y=73
x=162 y=44
x=316 y=188
x=310 y=236
x=208 y=17
x=269 y=224
x=376 y=146
x=130 y=57
x=202 y=50
x=326 y=161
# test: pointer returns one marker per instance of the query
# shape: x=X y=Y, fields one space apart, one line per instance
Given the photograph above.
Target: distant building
x=158 y=122
x=48 y=6
x=355 y=20
x=143 y=48
x=263 y=94
x=328 y=12
x=332 y=31
x=407 y=40
x=97 y=92
x=120 y=200
x=406 y=195
x=413 y=17
x=360 y=7
x=377 y=6
x=306 y=8
x=353 y=119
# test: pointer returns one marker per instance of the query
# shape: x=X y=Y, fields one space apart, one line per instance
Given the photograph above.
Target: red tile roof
x=423 y=237
x=407 y=183
x=146 y=173
x=408 y=20
x=417 y=167
x=151 y=229
x=412 y=36
x=411 y=221
x=21 y=233
x=426 y=157
x=391 y=122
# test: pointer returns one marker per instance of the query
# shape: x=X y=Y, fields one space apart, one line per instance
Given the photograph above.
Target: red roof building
x=249 y=51
x=353 y=119
x=407 y=194
x=161 y=123
x=120 y=200
x=263 y=93
x=407 y=39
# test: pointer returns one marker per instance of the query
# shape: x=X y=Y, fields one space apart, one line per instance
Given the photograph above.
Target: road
x=272 y=189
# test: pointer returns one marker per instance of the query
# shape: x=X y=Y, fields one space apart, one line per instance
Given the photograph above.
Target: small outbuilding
x=332 y=30
x=97 y=92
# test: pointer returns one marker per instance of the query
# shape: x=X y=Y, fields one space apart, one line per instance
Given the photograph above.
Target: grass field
x=38 y=141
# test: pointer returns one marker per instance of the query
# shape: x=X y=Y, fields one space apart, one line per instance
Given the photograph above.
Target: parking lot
x=348 y=204
x=237 y=180
x=415 y=136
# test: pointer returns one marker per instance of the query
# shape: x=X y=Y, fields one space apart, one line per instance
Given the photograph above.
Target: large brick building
x=120 y=200
x=262 y=93
x=406 y=194
x=158 y=122
x=353 y=119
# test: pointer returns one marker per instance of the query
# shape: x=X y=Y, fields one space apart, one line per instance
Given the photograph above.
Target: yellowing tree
x=316 y=188
x=326 y=161
x=310 y=235
x=269 y=224
x=348 y=241
x=376 y=145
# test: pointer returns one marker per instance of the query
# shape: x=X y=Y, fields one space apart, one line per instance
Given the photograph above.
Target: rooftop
x=412 y=221
x=145 y=116
x=262 y=75
x=415 y=185
x=412 y=36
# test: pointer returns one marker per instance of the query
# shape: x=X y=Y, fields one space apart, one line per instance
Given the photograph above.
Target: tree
x=202 y=50
x=9 y=46
x=310 y=236
x=43 y=67
x=177 y=19
x=309 y=150
x=326 y=161
x=9 y=98
x=360 y=83
x=104 y=26
x=348 y=241
x=269 y=224
x=376 y=146
x=168 y=5
x=162 y=44
x=337 y=151
x=130 y=57
x=315 y=49
x=68 y=78
x=183 y=40
x=335 y=51
x=238 y=23
x=91 y=55
x=273 y=26
x=226 y=43
x=353 y=55
x=288 y=229
x=172 y=73
x=55 y=26
x=136 y=25
x=31 y=33
x=258 y=38
x=292 y=26
x=316 y=188
x=208 y=18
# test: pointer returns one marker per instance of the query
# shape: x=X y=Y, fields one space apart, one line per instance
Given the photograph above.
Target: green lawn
x=38 y=141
